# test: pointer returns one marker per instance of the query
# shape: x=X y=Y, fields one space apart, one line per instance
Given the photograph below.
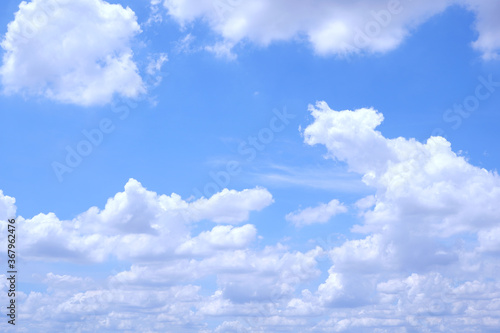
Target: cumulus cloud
x=111 y=309
x=331 y=27
x=243 y=275
x=139 y=223
x=76 y=52
x=319 y=214
x=433 y=214
x=154 y=234
x=422 y=256
x=426 y=185
x=266 y=276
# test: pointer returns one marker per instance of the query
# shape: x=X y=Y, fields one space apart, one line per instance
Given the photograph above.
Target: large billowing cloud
x=429 y=232
x=330 y=26
x=76 y=52
x=428 y=187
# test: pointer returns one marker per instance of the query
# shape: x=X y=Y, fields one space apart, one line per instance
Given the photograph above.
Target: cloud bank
x=422 y=256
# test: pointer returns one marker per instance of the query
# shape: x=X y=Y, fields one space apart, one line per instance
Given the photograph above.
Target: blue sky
x=332 y=220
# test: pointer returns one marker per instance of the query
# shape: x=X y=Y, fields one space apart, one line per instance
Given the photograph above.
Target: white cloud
x=155 y=64
x=349 y=136
x=371 y=254
x=331 y=27
x=184 y=45
x=303 y=306
x=243 y=275
x=345 y=291
x=423 y=257
x=138 y=223
x=268 y=275
x=7 y=207
x=425 y=185
x=146 y=229
x=76 y=52
x=326 y=178
x=319 y=214
x=432 y=213
x=112 y=309
x=222 y=50
x=488 y=26
x=230 y=206
x=219 y=238
x=65 y=286
x=489 y=240
x=366 y=202
x=231 y=327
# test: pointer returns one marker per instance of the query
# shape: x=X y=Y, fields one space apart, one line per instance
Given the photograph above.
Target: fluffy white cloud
x=153 y=232
x=266 y=276
x=75 y=52
x=230 y=206
x=243 y=276
x=319 y=214
x=426 y=186
x=432 y=213
x=111 y=309
x=138 y=223
x=331 y=27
